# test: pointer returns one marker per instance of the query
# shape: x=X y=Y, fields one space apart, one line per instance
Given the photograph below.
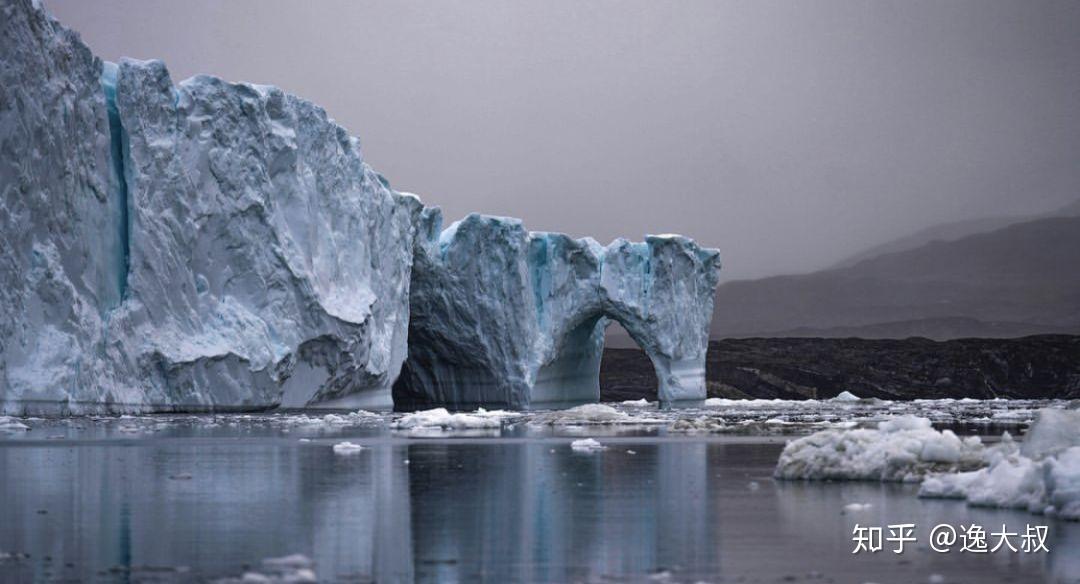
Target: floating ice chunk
x=293 y=569
x=856 y=507
x=905 y=448
x=1063 y=484
x=591 y=414
x=697 y=425
x=442 y=418
x=587 y=445
x=11 y=424
x=1043 y=476
x=347 y=448
x=846 y=396
x=349 y=419
x=1053 y=431
x=637 y=403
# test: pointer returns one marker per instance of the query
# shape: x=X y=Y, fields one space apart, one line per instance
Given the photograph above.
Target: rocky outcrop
x=503 y=316
x=1046 y=366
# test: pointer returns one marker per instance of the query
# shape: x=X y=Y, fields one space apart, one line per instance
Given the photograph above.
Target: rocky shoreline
x=1043 y=366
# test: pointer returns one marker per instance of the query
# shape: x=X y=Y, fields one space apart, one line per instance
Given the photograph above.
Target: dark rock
x=1045 y=366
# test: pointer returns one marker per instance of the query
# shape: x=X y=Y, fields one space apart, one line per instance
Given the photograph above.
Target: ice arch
x=505 y=317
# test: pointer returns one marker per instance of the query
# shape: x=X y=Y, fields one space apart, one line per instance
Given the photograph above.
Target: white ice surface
x=587 y=445
x=1043 y=476
x=347 y=447
x=442 y=418
x=904 y=448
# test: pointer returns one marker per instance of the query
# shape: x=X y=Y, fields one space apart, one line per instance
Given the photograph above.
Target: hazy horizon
x=788 y=135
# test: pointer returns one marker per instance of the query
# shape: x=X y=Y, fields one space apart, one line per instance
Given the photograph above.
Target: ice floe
x=905 y=448
x=1042 y=476
x=444 y=419
x=587 y=445
x=291 y=569
x=12 y=424
x=347 y=447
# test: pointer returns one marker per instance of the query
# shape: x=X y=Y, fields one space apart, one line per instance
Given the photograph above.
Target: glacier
x=205 y=245
x=501 y=316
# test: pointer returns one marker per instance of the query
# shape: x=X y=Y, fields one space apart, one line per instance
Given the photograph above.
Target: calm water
x=189 y=503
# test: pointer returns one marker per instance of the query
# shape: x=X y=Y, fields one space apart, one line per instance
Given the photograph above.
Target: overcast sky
x=787 y=134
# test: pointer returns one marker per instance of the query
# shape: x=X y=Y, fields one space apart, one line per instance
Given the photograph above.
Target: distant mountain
x=1015 y=280
x=953 y=231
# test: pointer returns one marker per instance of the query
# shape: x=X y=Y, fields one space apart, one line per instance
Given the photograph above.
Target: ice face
x=266 y=256
x=206 y=245
x=60 y=253
x=503 y=316
x=191 y=246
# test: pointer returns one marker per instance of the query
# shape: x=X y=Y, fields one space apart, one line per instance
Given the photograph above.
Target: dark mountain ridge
x=1016 y=280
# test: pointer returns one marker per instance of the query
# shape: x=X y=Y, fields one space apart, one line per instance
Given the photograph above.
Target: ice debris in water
x=590 y=414
x=1042 y=476
x=347 y=448
x=587 y=445
x=441 y=418
x=10 y=424
x=637 y=403
x=846 y=396
x=295 y=568
x=904 y=448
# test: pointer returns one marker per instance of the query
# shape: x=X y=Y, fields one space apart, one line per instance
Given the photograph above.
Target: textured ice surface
x=206 y=245
x=587 y=445
x=191 y=246
x=442 y=419
x=904 y=448
x=346 y=448
x=1043 y=476
x=505 y=316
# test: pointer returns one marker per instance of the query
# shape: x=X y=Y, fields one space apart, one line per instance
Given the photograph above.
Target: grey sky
x=788 y=134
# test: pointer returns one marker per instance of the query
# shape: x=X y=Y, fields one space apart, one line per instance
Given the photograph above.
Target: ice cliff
x=188 y=246
x=212 y=245
x=503 y=316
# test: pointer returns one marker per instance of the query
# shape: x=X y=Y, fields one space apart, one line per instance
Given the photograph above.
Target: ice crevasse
x=206 y=245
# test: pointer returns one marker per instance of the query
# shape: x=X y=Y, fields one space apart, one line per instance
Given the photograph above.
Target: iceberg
x=192 y=246
x=506 y=317
x=207 y=246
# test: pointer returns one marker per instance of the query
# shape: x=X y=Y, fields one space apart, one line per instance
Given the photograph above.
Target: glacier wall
x=506 y=317
x=206 y=245
x=200 y=245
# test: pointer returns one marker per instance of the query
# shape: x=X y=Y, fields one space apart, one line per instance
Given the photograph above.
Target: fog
x=787 y=134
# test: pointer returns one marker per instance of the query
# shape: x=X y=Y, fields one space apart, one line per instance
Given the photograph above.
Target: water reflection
x=460 y=510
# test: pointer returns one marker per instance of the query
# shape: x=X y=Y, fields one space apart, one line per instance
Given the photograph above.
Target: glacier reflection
x=205 y=506
x=460 y=510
